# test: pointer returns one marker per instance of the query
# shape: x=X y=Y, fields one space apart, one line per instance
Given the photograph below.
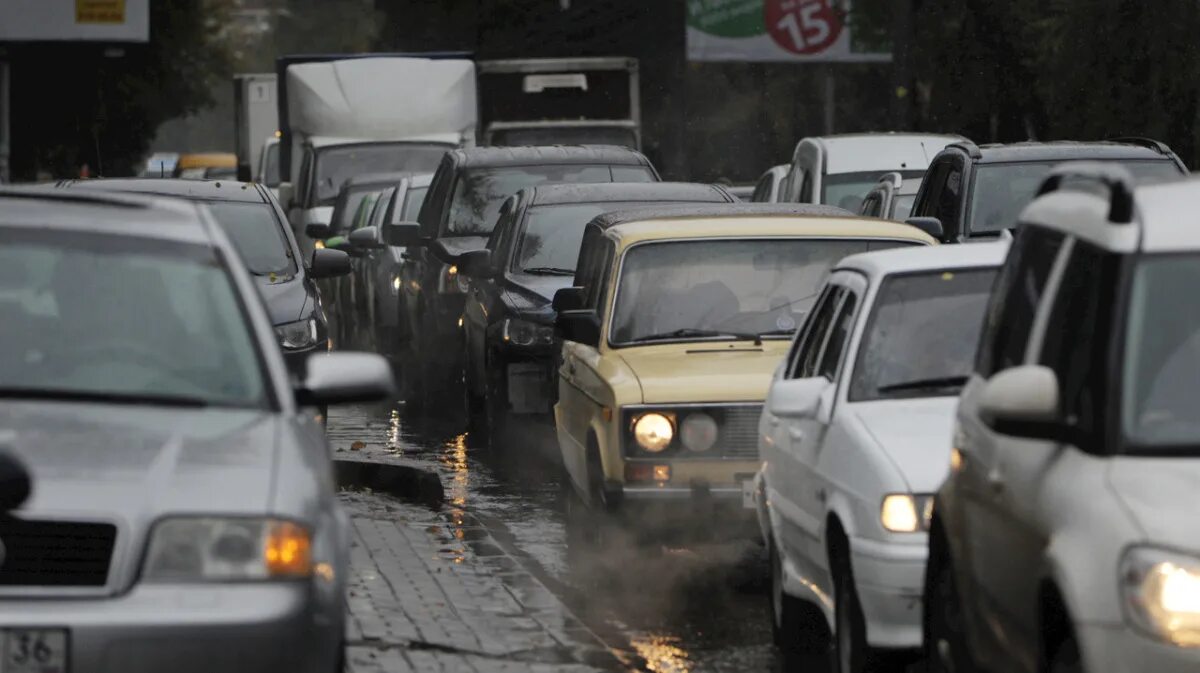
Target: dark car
x=458 y=215
x=253 y=220
x=508 y=320
x=973 y=191
x=378 y=266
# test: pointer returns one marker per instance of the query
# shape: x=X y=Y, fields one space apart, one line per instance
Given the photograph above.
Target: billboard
x=772 y=30
x=75 y=20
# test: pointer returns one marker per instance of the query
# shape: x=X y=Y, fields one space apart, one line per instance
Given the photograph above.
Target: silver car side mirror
x=1022 y=402
x=342 y=378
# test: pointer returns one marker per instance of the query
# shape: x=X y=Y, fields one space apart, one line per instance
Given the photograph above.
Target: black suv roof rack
x=1115 y=177
x=967 y=146
x=1149 y=143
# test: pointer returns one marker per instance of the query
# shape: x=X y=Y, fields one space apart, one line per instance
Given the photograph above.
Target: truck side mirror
x=477 y=263
x=582 y=326
x=567 y=299
x=366 y=238
x=318 y=231
x=929 y=225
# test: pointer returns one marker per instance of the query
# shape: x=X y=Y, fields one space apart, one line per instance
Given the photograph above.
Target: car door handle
x=796 y=434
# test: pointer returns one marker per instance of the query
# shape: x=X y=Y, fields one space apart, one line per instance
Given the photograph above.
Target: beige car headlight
x=906 y=513
x=1162 y=594
x=653 y=432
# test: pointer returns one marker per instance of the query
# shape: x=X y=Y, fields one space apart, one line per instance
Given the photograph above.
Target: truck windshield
x=921 y=337
x=95 y=316
x=481 y=191
x=334 y=165
x=1159 y=408
x=1001 y=191
x=722 y=289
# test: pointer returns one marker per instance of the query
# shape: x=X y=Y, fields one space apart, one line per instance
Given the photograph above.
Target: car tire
x=794 y=635
x=945 y=639
x=851 y=652
x=1067 y=658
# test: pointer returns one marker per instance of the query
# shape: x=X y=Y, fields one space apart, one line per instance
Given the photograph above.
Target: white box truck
x=346 y=115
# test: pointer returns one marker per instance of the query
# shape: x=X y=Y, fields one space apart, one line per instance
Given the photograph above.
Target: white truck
x=341 y=116
x=256 y=120
x=560 y=101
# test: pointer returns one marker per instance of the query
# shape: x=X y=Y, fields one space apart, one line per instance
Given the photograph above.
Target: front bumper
x=526 y=379
x=692 y=511
x=890 y=578
x=1115 y=648
x=200 y=628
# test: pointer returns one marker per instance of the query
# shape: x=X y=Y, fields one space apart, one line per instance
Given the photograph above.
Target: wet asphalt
x=664 y=609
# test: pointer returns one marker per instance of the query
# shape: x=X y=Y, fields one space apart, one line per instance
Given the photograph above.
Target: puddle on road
x=672 y=610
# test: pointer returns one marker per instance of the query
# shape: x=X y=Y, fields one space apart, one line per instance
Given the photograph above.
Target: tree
x=95 y=104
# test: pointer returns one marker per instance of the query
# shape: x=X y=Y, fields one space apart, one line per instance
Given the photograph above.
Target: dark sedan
x=531 y=254
x=253 y=220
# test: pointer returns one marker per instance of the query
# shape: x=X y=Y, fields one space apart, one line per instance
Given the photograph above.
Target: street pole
x=902 y=41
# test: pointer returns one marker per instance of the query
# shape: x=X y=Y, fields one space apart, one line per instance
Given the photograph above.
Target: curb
x=406 y=482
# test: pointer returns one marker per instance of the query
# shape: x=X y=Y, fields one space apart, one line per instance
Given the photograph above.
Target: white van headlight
x=1162 y=594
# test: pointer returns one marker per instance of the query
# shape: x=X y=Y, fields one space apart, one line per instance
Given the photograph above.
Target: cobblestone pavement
x=430 y=591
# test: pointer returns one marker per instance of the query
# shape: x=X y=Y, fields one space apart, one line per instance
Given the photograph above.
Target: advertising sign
x=772 y=30
x=75 y=20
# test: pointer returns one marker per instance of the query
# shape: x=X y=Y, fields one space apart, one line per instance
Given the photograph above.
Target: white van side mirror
x=797 y=398
x=1022 y=402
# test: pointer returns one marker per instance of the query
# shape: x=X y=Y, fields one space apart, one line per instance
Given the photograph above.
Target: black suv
x=508 y=322
x=973 y=191
x=458 y=215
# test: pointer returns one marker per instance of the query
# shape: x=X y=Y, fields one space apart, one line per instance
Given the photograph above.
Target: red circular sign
x=802 y=26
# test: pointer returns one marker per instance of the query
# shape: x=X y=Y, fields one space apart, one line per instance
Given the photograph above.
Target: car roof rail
x=1116 y=178
x=1149 y=143
x=967 y=146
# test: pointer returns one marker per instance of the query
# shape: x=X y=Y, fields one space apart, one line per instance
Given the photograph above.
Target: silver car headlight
x=202 y=549
x=524 y=333
x=1162 y=594
x=297 y=335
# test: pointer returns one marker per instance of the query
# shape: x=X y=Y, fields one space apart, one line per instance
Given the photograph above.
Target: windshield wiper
x=691 y=332
x=925 y=384
x=106 y=397
x=548 y=271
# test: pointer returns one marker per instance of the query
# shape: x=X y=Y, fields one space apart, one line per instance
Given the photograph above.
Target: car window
x=921 y=336
x=480 y=191
x=303 y=182
x=1160 y=410
x=949 y=200
x=931 y=189
x=1001 y=191
x=847 y=190
x=381 y=206
x=347 y=205
x=816 y=334
x=257 y=234
x=806 y=188
x=413 y=198
x=872 y=205
x=838 y=336
x=500 y=241
x=1078 y=337
x=1013 y=306
x=158 y=321
x=271 y=165
x=762 y=191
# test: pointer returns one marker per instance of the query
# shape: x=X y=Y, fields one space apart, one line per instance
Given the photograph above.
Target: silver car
x=184 y=514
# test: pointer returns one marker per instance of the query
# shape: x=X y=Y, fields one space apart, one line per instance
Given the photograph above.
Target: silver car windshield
x=921 y=336
x=91 y=316
x=1159 y=407
x=724 y=288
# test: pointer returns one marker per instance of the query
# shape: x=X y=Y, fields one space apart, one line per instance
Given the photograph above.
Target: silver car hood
x=1160 y=494
x=133 y=464
x=915 y=434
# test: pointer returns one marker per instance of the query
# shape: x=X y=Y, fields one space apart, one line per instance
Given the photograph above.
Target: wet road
x=672 y=610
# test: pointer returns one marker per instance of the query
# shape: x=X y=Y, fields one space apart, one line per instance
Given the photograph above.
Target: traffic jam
x=437 y=372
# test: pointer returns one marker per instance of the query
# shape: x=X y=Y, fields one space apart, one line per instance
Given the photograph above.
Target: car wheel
x=1066 y=657
x=945 y=639
x=792 y=633
x=852 y=653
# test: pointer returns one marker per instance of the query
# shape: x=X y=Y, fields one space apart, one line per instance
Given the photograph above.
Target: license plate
x=34 y=651
x=748 y=493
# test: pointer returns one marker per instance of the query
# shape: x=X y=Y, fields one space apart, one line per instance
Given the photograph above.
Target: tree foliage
x=84 y=103
x=1059 y=69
